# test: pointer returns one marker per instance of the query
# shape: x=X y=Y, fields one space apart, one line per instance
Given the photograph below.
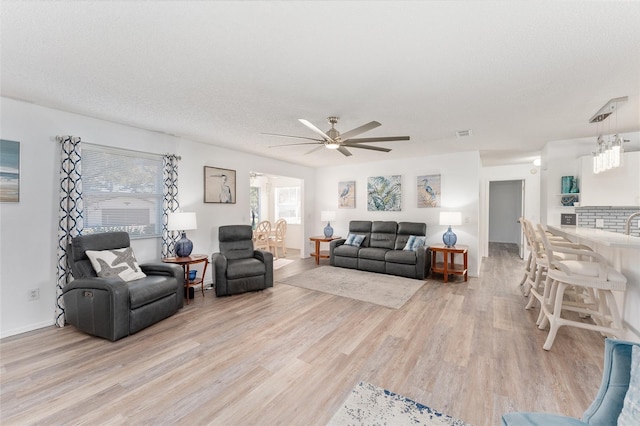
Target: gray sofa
x=382 y=249
x=110 y=307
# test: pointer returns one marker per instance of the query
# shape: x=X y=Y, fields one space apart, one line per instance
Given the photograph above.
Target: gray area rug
x=380 y=289
x=370 y=405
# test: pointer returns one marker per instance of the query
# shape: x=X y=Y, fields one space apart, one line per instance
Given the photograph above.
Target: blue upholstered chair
x=606 y=408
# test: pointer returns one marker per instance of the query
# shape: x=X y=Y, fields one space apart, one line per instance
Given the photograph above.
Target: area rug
x=380 y=289
x=279 y=263
x=370 y=405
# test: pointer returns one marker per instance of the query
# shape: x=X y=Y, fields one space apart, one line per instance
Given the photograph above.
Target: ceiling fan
x=333 y=139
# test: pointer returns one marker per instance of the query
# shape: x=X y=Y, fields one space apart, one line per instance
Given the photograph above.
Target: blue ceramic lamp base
x=328 y=230
x=184 y=246
x=449 y=238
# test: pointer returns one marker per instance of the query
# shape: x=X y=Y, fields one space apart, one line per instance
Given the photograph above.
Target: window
x=288 y=204
x=121 y=191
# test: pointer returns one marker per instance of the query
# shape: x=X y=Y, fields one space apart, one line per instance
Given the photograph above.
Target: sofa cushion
x=401 y=256
x=151 y=288
x=372 y=253
x=354 y=240
x=414 y=243
x=346 y=251
x=361 y=227
x=116 y=263
x=239 y=268
x=383 y=234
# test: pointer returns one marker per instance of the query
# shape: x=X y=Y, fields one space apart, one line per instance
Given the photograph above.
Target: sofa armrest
x=332 y=245
x=219 y=277
x=167 y=270
x=423 y=262
x=266 y=257
x=98 y=306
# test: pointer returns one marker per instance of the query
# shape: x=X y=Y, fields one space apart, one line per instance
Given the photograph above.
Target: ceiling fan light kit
x=333 y=139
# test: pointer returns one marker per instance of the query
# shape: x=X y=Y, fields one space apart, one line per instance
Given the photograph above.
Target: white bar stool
x=598 y=281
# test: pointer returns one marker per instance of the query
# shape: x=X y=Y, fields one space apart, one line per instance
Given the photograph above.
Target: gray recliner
x=110 y=307
x=238 y=268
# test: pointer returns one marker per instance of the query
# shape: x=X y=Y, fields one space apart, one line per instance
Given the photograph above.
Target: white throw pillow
x=116 y=263
x=631 y=409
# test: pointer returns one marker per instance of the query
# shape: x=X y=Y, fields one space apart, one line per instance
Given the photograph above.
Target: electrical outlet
x=33 y=294
x=599 y=223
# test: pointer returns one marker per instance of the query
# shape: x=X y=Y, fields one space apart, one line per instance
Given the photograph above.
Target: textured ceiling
x=518 y=74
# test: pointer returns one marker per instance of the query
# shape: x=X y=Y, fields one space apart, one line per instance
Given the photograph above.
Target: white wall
x=29 y=228
x=460 y=182
x=531 y=176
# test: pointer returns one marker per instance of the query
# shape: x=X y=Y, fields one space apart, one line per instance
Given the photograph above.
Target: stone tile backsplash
x=614 y=218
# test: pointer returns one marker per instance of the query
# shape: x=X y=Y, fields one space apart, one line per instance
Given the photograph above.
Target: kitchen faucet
x=627 y=225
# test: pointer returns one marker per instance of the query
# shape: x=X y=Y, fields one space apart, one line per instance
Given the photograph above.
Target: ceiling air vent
x=463 y=133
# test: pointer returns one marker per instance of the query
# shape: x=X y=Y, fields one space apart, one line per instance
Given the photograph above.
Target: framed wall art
x=9 y=171
x=347 y=194
x=219 y=185
x=429 y=191
x=384 y=193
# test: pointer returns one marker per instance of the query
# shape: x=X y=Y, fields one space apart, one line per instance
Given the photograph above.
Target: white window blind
x=288 y=204
x=121 y=191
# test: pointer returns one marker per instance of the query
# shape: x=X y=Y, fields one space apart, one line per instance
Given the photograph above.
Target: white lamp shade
x=450 y=218
x=182 y=221
x=327 y=215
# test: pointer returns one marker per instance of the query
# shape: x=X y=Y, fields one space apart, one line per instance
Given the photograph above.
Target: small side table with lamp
x=449 y=249
x=181 y=222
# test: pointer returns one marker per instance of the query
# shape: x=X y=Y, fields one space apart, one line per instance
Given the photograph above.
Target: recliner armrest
x=266 y=257
x=168 y=269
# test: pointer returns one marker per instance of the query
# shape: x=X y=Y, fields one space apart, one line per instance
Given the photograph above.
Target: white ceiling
x=518 y=74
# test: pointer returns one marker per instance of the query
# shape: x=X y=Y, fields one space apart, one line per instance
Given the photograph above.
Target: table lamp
x=181 y=222
x=328 y=216
x=448 y=219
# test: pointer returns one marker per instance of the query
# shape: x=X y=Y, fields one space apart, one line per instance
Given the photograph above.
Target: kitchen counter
x=597 y=236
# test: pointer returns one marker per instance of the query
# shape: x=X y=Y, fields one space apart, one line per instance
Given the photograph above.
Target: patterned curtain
x=169 y=202
x=70 y=220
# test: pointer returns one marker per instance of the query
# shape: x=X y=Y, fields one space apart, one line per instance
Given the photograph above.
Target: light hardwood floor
x=290 y=356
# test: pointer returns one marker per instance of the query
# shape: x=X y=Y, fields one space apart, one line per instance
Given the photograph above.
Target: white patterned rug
x=370 y=405
x=381 y=289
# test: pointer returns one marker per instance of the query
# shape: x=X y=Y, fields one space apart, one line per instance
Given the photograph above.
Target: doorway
x=273 y=197
x=506 y=207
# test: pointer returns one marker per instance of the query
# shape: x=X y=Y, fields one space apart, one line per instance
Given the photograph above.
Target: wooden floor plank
x=289 y=355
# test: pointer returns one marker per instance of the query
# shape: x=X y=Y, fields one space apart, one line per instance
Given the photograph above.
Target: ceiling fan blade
x=382 y=139
x=344 y=151
x=314 y=149
x=291 y=136
x=371 y=147
x=355 y=132
x=300 y=143
x=315 y=129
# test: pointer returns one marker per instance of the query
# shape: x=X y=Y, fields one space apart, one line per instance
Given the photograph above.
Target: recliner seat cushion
x=240 y=268
x=346 y=251
x=149 y=289
x=372 y=253
x=383 y=234
x=401 y=256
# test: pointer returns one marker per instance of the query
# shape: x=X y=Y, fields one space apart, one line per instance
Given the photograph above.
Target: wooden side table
x=185 y=262
x=448 y=265
x=324 y=254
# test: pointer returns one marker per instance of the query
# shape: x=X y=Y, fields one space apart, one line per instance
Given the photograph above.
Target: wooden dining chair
x=278 y=238
x=261 y=235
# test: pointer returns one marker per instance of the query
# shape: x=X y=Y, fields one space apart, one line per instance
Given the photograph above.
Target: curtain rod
x=61 y=138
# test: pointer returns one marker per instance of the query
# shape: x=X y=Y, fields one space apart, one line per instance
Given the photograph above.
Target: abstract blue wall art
x=384 y=193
